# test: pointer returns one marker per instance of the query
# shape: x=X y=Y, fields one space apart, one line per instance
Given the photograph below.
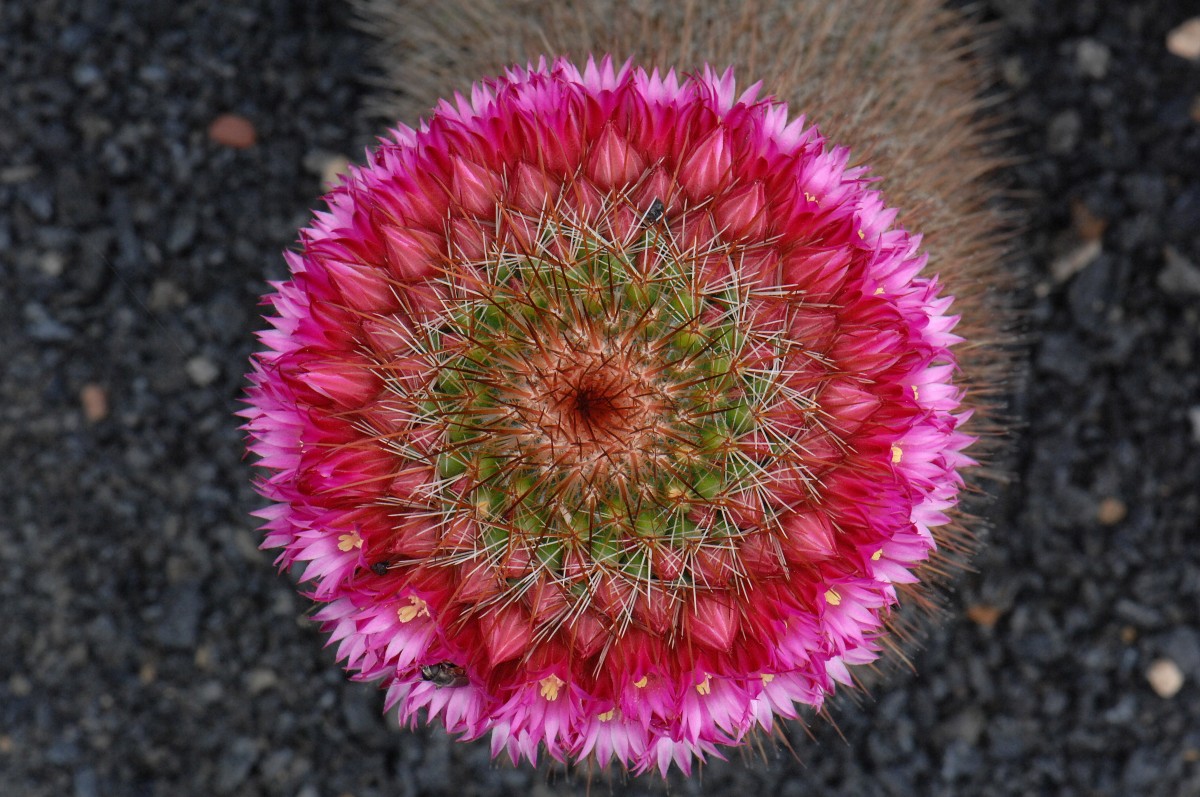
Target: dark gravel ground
x=148 y=648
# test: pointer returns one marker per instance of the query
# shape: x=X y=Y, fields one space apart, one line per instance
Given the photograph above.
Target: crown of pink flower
x=607 y=413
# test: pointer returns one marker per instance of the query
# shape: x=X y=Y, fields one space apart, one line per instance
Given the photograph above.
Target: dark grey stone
x=179 y=625
x=235 y=764
x=1063 y=132
x=86 y=783
x=1182 y=646
x=1063 y=355
x=1180 y=276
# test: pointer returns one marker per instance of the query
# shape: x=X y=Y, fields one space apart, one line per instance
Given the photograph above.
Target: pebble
x=1184 y=40
x=94 y=400
x=86 y=75
x=1111 y=511
x=276 y=764
x=154 y=73
x=1063 y=132
x=147 y=673
x=1087 y=225
x=1076 y=260
x=42 y=327
x=1091 y=297
x=179 y=626
x=1013 y=72
x=1092 y=58
x=1136 y=613
x=165 y=295
x=85 y=783
x=19 y=685
x=183 y=232
x=235 y=764
x=203 y=658
x=209 y=692
x=1165 y=677
x=984 y=615
x=966 y=726
x=11 y=175
x=1143 y=771
x=231 y=130
x=51 y=264
x=334 y=170
x=1065 y=356
x=329 y=166
x=260 y=679
x=1123 y=712
x=1145 y=191
x=202 y=371
x=1180 y=276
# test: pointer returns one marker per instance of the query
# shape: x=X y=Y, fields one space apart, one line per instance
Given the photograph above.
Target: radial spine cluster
x=609 y=414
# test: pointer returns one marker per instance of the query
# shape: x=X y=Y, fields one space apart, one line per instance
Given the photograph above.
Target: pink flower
x=606 y=411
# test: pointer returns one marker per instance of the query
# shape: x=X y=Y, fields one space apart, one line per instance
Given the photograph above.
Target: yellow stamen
x=416 y=608
x=550 y=686
x=705 y=686
x=606 y=716
x=640 y=683
x=809 y=197
x=876 y=556
x=350 y=541
x=916 y=393
x=862 y=235
x=767 y=677
x=832 y=597
x=897 y=453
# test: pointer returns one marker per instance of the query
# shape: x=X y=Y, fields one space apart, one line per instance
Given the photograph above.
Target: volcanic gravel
x=148 y=648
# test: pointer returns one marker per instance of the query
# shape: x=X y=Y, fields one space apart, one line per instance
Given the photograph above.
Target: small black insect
x=655 y=213
x=445 y=674
x=380 y=568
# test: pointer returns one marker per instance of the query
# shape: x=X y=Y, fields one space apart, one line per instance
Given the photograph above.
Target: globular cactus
x=611 y=411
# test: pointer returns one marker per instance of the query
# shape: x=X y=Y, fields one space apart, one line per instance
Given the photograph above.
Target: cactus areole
x=608 y=414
